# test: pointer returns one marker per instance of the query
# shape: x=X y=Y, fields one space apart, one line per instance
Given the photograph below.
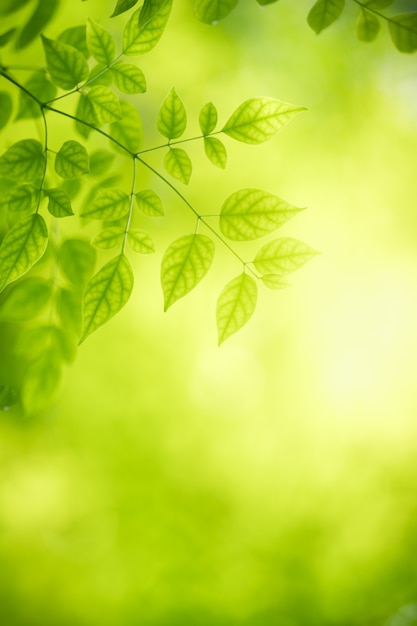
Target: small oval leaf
x=211 y=11
x=100 y=43
x=59 y=204
x=66 y=65
x=140 y=36
x=208 y=118
x=72 y=160
x=23 y=161
x=105 y=103
x=172 y=117
x=215 y=151
x=128 y=78
x=178 y=164
x=324 y=13
x=235 y=305
x=109 y=205
x=108 y=238
x=140 y=241
x=150 y=203
x=283 y=256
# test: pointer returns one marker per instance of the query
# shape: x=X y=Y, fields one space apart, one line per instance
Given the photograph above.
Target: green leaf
x=23 y=245
x=215 y=151
x=72 y=160
x=6 y=108
x=10 y=6
x=59 y=204
x=108 y=238
x=178 y=164
x=100 y=43
x=140 y=241
x=77 y=259
x=42 y=15
x=208 y=118
x=26 y=299
x=324 y=13
x=109 y=205
x=379 y=4
x=100 y=75
x=283 y=256
x=23 y=161
x=20 y=198
x=235 y=305
x=76 y=36
x=265 y=2
x=100 y=161
x=42 y=89
x=106 y=293
x=85 y=111
x=150 y=203
x=128 y=131
x=256 y=120
x=128 y=78
x=150 y=9
x=68 y=305
x=403 y=31
x=105 y=103
x=41 y=382
x=122 y=6
x=6 y=37
x=211 y=11
x=47 y=339
x=252 y=213
x=66 y=65
x=184 y=264
x=275 y=281
x=367 y=26
x=8 y=397
x=139 y=38
x=172 y=117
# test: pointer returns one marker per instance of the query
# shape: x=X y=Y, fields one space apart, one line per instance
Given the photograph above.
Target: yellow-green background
x=271 y=482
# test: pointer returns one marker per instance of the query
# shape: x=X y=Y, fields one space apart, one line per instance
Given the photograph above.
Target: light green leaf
x=283 y=256
x=77 y=259
x=208 y=118
x=211 y=11
x=100 y=161
x=23 y=245
x=42 y=15
x=100 y=43
x=72 y=160
x=105 y=103
x=68 y=305
x=66 y=65
x=128 y=78
x=23 y=161
x=324 y=13
x=109 y=205
x=235 y=305
x=178 y=164
x=6 y=37
x=6 y=108
x=139 y=38
x=150 y=9
x=275 y=281
x=106 y=293
x=100 y=75
x=403 y=31
x=41 y=88
x=184 y=264
x=256 y=120
x=85 y=111
x=172 y=117
x=59 y=204
x=48 y=339
x=41 y=382
x=150 y=203
x=26 y=299
x=108 y=238
x=76 y=36
x=20 y=198
x=252 y=213
x=122 y=6
x=10 y=6
x=367 y=26
x=215 y=151
x=128 y=131
x=140 y=241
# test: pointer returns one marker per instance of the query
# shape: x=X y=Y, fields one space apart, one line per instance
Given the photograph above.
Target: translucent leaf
x=184 y=264
x=140 y=241
x=367 y=26
x=403 y=31
x=172 y=117
x=6 y=108
x=324 y=13
x=41 y=382
x=77 y=259
x=139 y=38
x=85 y=111
x=66 y=65
x=72 y=160
x=68 y=306
x=283 y=255
x=178 y=164
x=100 y=43
x=275 y=281
x=109 y=238
x=150 y=203
x=41 y=88
x=59 y=204
x=252 y=213
x=128 y=131
x=100 y=75
x=122 y=6
x=23 y=245
x=150 y=9
x=208 y=118
x=106 y=293
x=100 y=161
x=105 y=103
x=42 y=15
x=109 y=205
x=20 y=198
x=26 y=299
x=6 y=37
x=235 y=305
x=23 y=161
x=76 y=36
x=128 y=78
x=215 y=151
x=211 y=11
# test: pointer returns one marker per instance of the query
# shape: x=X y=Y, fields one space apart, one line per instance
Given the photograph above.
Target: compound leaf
x=108 y=238
x=59 y=204
x=215 y=151
x=122 y=6
x=283 y=256
x=149 y=203
x=77 y=259
x=235 y=305
x=42 y=89
x=324 y=13
x=141 y=36
x=100 y=43
x=72 y=160
x=128 y=78
x=367 y=26
x=76 y=37
x=208 y=118
x=211 y=11
x=109 y=205
x=403 y=31
x=172 y=117
x=26 y=299
x=178 y=164
x=23 y=161
x=66 y=65
x=140 y=241
x=6 y=108
x=128 y=131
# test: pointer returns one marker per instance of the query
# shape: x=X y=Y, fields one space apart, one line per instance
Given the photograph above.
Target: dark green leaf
x=6 y=37
x=66 y=65
x=211 y=11
x=149 y=203
x=367 y=26
x=76 y=36
x=100 y=161
x=128 y=78
x=109 y=205
x=178 y=164
x=72 y=160
x=172 y=117
x=324 y=13
x=140 y=241
x=208 y=118
x=139 y=38
x=42 y=89
x=283 y=255
x=26 y=299
x=109 y=238
x=215 y=151
x=403 y=31
x=6 y=108
x=122 y=6
x=105 y=103
x=42 y=15
x=59 y=204
x=235 y=305
x=77 y=259
x=100 y=43
x=23 y=161
x=128 y=131
x=20 y=198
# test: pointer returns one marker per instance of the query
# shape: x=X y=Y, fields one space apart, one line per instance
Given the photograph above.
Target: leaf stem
x=45 y=125
x=131 y=202
x=364 y=6
x=3 y=72
x=175 y=143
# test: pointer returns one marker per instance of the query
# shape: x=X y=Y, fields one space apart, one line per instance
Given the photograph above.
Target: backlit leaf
x=100 y=75
x=76 y=36
x=122 y=6
x=6 y=108
x=283 y=256
x=100 y=161
x=128 y=78
x=275 y=281
x=403 y=31
x=41 y=88
x=66 y=65
x=211 y=11
x=105 y=103
x=41 y=382
x=178 y=164
x=139 y=38
x=23 y=161
x=367 y=26
x=140 y=241
x=184 y=264
x=42 y=15
x=85 y=111
x=128 y=131
x=208 y=118
x=150 y=203
x=108 y=238
x=150 y=9
x=235 y=305
x=59 y=204
x=100 y=43
x=26 y=299
x=20 y=198
x=72 y=160
x=77 y=259
x=109 y=205
x=324 y=13
x=172 y=117
x=215 y=151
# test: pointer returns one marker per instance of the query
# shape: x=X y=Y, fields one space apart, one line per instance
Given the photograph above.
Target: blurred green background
x=271 y=482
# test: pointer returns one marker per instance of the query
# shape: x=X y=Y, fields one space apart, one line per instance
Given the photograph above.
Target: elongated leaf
x=403 y=31
x=108 y=238
x=100 y=161
x=72 y=160
x=105 y=103
x=211 y=11
x=150 y=203
x=76 y=36
x=184 y=264
x=140 y=241
x=7 y=36
x=42 y=15
x=100 y=43
x=109 y=205
x=41 y=382
x=23 y=245
x=324 y=13
x=66 y=65
x=20 y=198
x=283 y=255
x=42 y=88
x=106 y=293
x=208 y=118
x=367 y=26
x=256 y=120
x=128 y=78
x=6 y=108
x=76 y=259
x=128 y=131
x=252 y=213
x=59 y=204
x=178 y=164
x=122 y=6
x=139 y=38
x=235 y=305
x=275 y=281
x=27 y=299
x=23 y=161
x=172 y=117
x=215 y=151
